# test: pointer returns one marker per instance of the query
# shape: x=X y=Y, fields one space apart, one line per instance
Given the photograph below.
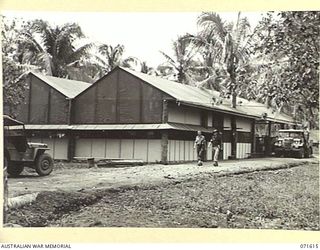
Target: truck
x=293 y=143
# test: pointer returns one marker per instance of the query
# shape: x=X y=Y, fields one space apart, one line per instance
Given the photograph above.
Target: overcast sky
x=143 y=34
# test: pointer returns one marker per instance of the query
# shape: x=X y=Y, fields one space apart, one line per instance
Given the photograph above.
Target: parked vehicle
x=293 y=143
x=19 y=153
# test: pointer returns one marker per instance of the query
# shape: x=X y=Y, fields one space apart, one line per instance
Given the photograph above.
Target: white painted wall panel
x=181 y=152
x=176 y=150
x=98 y=148
x=113 y=148
x=140 y=149
x=83 y=147
x=188 y=151
x=238 y=154
x=194 y=150
x=226 y=150
x=170 y=150
x=242 y=150
x=126 y=149
x=60 y=149
x=154 y=152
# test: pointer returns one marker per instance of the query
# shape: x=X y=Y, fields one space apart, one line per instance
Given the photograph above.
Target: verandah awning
x=101 y=127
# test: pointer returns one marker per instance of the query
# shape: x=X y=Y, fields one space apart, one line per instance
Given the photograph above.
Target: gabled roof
x=195 y=96
x=69 y=88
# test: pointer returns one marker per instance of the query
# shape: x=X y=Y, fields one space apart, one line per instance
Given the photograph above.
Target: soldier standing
x=200 y=145
x=215 y=142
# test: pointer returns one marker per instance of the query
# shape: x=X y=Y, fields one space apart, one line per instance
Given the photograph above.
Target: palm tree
x=144 y=68
x=138 y=65
x=110 y=56
x=52 y=48
x=182 y=64
x=225 y=48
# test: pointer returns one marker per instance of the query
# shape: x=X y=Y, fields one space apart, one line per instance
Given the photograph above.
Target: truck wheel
x=300 y=153
x=44 y=164
x=278 y=154
x=308 y=153
x=14 y=170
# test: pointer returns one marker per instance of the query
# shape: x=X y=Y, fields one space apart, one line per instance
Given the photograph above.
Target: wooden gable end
x=119 y=97
x=43 y=104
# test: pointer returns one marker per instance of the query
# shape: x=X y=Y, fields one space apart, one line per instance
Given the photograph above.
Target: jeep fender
x=38 y=152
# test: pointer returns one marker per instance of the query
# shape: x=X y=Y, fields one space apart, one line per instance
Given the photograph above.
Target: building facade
x=131 y=115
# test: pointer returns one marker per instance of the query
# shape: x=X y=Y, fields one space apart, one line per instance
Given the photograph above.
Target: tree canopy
x=276 y=63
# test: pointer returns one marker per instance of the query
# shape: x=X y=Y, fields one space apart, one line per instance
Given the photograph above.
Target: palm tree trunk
x=234 y=98
x=233 y=88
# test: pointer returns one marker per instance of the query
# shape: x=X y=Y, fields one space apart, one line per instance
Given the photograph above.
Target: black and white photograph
x=161 y=119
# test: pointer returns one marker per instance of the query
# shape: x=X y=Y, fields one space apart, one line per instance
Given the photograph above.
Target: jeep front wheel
x=300 y=153
x=14 y=169
x=44 y=164
x=308 y=153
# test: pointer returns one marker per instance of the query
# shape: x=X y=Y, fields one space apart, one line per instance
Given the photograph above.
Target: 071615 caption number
x=309 y=246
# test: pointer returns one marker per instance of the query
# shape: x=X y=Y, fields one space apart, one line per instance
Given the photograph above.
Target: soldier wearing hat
x=215 y=142
x=200 y=145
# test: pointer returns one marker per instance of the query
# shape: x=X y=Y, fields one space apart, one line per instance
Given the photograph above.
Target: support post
x=165 y=111
x=233 y=138
x=253 y=137
x=164 y=147
x=71 y=146
x=268 y=140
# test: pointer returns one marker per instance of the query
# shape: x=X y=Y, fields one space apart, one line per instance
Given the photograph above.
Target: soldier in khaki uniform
x=215 y=142
x=200 y=145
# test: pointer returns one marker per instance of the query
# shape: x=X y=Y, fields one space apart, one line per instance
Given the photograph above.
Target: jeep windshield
x=290 y=134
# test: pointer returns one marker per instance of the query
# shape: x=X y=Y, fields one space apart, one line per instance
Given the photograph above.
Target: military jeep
x=19 y=153
x=293 y=143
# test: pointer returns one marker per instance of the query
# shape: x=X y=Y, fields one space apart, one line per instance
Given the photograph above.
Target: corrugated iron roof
x=67 y=87
x=204 y=98
x=157 y=126
x=120 y=126
x=47 y=126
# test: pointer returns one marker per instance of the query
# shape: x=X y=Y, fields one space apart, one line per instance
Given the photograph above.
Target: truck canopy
x=9 y=121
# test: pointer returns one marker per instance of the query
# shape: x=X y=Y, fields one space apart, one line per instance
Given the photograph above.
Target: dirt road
x=278 y=199
x=71 y=177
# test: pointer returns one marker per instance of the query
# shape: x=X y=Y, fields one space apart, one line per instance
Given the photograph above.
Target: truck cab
x=293 y=143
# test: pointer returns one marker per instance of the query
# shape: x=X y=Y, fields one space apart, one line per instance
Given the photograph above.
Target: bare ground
x=73 y=177
x=277 y=199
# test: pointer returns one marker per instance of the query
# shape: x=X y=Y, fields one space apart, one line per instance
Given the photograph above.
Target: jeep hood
x=37 y=145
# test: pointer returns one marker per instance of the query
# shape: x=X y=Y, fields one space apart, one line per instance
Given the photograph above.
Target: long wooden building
x=127 y=114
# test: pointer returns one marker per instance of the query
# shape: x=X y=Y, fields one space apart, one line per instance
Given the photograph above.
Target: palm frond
x=212 y=21
x=80 y=52
x=169 y=59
